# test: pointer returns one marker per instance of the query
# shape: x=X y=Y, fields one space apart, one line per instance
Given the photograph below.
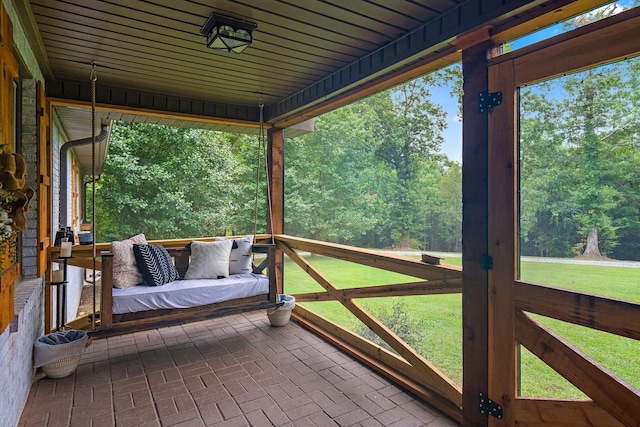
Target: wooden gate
x=511 y=301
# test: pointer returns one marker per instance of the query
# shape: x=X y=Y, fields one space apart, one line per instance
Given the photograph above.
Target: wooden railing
x=407 y=368
x=612 y=401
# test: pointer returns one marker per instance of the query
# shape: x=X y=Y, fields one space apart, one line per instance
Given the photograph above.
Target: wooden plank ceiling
x=150 y=55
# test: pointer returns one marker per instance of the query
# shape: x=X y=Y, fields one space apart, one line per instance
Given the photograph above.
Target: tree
x=328 y=175
x=371 y=174
x=165 y=182
x=409 y=129
x=580 y=144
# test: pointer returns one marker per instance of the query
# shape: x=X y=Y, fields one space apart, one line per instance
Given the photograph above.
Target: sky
x=452 y=145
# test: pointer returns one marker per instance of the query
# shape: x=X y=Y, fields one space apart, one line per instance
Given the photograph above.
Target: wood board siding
x=9 y=270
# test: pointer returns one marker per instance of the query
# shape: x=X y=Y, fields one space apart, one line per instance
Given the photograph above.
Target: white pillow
x=125 y=268
x=240 y=259
x=209 y=260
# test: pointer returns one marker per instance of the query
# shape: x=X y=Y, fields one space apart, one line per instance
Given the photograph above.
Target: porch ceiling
x=151 y=57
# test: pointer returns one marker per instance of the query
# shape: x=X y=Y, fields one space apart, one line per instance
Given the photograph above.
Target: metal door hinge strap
x=488 y=100
x=486 y=262
x=489 y=407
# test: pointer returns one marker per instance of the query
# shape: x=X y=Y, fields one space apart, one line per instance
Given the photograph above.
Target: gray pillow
x=209 y=260
x=125 y=268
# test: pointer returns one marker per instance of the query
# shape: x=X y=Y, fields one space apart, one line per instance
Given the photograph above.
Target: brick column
x=29 y=145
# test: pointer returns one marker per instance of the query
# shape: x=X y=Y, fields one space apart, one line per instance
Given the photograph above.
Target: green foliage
x=580 y=147
x=371 y=174
x=169 y=183
x=328 y=178
x=400 y=321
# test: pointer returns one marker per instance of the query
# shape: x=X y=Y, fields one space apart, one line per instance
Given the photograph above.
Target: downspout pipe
x=64 y=194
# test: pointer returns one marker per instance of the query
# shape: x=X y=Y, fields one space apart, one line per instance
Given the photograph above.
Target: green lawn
x=440 y=317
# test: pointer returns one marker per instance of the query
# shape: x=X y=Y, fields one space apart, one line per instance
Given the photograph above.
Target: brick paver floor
x=231 y=371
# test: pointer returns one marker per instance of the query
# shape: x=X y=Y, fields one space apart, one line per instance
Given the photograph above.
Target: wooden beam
x=9 y=264
x=382 y=355
x=335 y=294
x=473 y=39
x=604 y=314
x=106 y=298
x=503 y=234
x=371 y=258
x=540 y=412
x=44 y=166
x=309 y=269
x=275 y=213
x=611 y=393
x=435 y=61
x=131 y=101
x=437 y=287
x=431 y=287
x=547 y=14
x=7 y=295
x=602 y=41
x=474 y=235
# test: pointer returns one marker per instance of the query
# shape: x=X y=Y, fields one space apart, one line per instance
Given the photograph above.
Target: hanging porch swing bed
x=148 y=286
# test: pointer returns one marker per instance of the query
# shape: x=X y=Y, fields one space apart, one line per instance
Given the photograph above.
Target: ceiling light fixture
x=228 y=34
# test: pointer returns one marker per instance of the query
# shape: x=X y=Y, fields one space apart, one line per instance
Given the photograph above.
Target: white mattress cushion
x=188 y=293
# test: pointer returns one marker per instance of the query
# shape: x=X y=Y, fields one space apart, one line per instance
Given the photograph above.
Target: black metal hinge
x=488 y=100
x=486 y=262
x=489 y=407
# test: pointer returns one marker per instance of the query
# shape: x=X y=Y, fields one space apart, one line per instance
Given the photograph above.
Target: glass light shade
x=228 y=34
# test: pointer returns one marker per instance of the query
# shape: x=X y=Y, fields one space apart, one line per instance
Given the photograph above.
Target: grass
x=441 y=342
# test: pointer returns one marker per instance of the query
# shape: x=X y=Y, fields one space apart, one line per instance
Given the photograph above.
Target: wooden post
x=474 y=235
x=106 y=303
x=275 y=216
x=8 y=71
x=503 y=247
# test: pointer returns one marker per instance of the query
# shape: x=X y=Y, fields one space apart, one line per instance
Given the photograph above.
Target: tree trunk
x=592 y=250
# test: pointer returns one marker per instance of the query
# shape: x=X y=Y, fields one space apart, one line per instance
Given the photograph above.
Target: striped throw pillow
x=154 y=262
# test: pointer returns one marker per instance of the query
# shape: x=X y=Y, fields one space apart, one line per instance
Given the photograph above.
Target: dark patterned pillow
x=154 y=262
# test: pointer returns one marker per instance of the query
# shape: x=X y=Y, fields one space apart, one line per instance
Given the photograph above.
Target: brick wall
x=29 y=152
x=16 y=342
x=16 y=350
